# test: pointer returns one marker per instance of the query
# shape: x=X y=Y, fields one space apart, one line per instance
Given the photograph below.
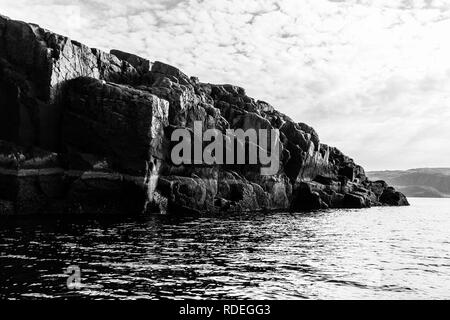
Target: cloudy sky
x=373 y=77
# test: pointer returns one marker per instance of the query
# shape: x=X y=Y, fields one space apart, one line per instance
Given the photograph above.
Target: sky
x=372 y=77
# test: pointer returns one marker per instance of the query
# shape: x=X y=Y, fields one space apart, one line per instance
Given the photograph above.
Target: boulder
x=142 y=65
x=313 y=136
x=391 y=197
x=116 y=121
x=307 y=197
x=353 y=200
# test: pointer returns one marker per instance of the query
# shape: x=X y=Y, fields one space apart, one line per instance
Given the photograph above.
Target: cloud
x=371 y=76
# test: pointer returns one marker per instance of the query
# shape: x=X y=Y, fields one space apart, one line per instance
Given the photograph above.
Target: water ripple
x=400 y=253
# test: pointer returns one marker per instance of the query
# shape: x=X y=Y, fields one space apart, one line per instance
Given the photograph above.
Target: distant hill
x=422 y=182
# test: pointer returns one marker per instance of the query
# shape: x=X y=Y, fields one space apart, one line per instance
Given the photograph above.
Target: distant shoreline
x=417 y=183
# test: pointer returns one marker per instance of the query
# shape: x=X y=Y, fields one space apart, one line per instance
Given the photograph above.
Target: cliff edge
x=85 y=131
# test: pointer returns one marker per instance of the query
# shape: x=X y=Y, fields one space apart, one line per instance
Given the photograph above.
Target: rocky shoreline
x=85 y=131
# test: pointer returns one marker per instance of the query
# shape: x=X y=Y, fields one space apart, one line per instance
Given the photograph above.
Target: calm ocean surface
x=377 y=253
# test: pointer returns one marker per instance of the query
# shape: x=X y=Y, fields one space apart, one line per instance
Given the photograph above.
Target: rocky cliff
x=84 y=131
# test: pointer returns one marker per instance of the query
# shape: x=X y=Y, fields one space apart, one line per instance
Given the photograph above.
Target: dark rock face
x=115 y=121
x=392 y=197
x=83 y=131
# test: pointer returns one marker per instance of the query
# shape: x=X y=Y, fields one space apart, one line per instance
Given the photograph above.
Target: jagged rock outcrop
x=84 y=131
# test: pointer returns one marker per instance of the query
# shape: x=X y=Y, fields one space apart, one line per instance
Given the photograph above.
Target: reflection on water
x=374 y=253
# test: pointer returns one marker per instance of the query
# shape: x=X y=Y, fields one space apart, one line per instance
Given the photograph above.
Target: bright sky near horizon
x=372 y=77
